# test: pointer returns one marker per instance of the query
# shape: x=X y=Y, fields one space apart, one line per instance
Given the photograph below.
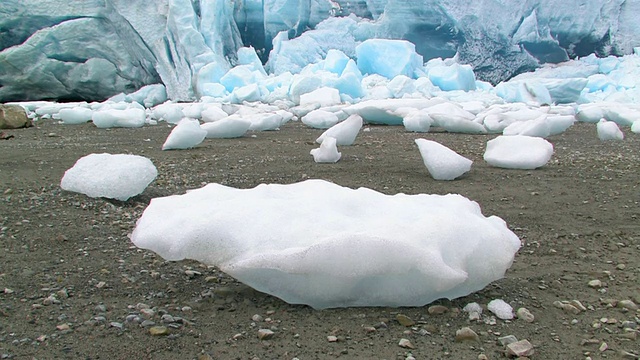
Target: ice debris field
x=421 y=247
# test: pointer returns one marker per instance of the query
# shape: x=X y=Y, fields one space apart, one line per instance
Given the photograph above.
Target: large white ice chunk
x=518 y=152
x=400 y=250
x=75 y=115
x=453 y=77
x=186 y=135
x=388 y=58
x=227 y=128
x=118 y=176
x=442 y=162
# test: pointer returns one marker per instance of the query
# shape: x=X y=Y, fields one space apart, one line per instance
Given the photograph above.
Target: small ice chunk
x=320 y=119
x=118 y=176
x=344 y=132
x=518 y=152
x=442 y=162
x=609 y=130
x=327 y=152
x=76 y=115
x=186 y=135
x=227 y=128
x=128 y=118
x=212 y=113
x=325 y=96
x=635 y=127
x=417 y=121
x=501 y=309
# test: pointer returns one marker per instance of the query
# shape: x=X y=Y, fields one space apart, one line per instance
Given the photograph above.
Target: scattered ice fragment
x=608 y=130
x=187 y=134
x=320 y=119
x=230 y=127
x=110 y=118
x=76 y=115
x=118 y=176
x=344 y=132
x=327 y=152
x=442 y=162
x=501 y=309
x=518 y=152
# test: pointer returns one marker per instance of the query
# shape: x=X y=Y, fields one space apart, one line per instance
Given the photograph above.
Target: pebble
x=628 y=355
x=101 y=308
x=525 y=314
x=116 y=325
x=520 y=348
x=63 y=327
x=192 y=273
x=265 y=334
x=166 y=318
x=596 y=284
x=627 y=304
x=257 y=318
x=566 y=307
x=405 y=343
x=466 y=334
x=332 y=338
x=404 y=320
x=506 y=340
x=147 y=313
x=437 y=309
x=158 y=330
x=147 y=323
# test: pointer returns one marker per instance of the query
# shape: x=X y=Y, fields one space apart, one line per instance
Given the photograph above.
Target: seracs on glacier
x=93 y=49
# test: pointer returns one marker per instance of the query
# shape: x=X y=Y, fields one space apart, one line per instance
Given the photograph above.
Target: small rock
x=520 y=348
x=404 y=320
x=159 y=330
x=13 y=117
x=147 y=323
x=332 y=338
x=369 y=329
x=627 y=304
x=116 y=325
x=525 y=314
x=265 y=334
x=566 y=307
x=628 y=355
x=603 y=347
x=466 y=334
x=405 y=343
x=101 y=284
x=437 y=309
x=192 y=273
x=578 y=305
x=147 y=313
x=257 y=318
x=596 y=284
x=482 y=357
x=506 y=340
x=63 y=327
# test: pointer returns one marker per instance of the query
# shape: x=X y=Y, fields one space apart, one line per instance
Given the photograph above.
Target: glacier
x=94 y=49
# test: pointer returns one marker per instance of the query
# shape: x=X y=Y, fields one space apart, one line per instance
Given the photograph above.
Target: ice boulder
x=327 y=152
x=344 y=132
x=453 y=77
x=537 y=128
x=609 y=130
x=128 y=118
x=635 y=127
x=418 y=249
x=388 y=58
x=227 y=128
x=518 y=152
x=320 y=119
x=324 y=96
x=118 y=176
x=186 y=135
x=417 y=121
x=442 y=162
x=75 y=115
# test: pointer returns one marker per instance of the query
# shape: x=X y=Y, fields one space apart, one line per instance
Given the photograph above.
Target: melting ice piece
x=327 y=152
x=344 y=132
x=76 y=115
x=110 y=176
x=395 y=250
x=109 y=118
x=227 y=128
x=608 y=130
x=501 y=309
x=518 y=152
x=442 y=162
x=320 y=119
x=185 y=135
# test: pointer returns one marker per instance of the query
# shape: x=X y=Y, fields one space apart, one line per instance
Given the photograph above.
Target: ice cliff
x=92 y=49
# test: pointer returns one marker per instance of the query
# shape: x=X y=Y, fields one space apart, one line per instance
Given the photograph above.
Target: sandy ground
x=73 y=286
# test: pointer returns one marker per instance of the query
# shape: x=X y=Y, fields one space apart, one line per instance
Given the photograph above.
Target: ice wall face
x=92 y=49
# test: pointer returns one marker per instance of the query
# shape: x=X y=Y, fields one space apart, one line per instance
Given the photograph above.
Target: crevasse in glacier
x=92 y=49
